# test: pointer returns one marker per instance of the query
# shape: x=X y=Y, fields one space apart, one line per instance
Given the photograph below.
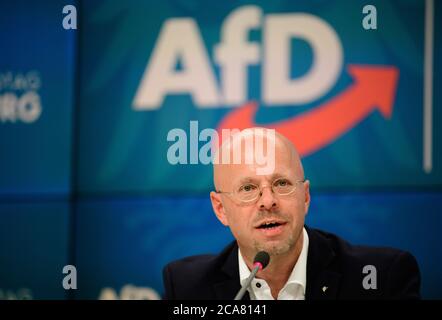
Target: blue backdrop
x=84 y=174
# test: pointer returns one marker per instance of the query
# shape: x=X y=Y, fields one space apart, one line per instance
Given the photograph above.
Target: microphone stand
x=240 y=294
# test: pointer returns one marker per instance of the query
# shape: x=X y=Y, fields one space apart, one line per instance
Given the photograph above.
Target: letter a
x=70 y=21
x=70 y=281
x=370 y=280
x=370 y=20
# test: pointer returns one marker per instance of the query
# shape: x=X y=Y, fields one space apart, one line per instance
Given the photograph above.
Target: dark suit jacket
x=331 y=262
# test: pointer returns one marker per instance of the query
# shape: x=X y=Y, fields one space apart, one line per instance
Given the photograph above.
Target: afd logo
x=181 y=40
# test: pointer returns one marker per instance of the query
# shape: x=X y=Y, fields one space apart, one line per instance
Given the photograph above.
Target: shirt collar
x=299 y=272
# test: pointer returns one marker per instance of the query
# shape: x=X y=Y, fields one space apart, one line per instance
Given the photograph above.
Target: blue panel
x=122 y=242
x=409 y=221
x=37 y=75
x=33 y=249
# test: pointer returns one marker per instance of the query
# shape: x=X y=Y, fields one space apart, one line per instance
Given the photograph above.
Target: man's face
x=247 y=221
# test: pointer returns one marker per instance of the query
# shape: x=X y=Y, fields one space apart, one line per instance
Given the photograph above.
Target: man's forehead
x=284 y=158
x=243 y=172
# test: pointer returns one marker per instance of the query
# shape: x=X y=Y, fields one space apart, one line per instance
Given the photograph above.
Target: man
x=266 y=212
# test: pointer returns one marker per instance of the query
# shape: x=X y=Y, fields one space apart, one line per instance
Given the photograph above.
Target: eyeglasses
x=250 y=192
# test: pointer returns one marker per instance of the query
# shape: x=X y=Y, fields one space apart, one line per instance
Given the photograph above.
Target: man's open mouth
x=270 y=225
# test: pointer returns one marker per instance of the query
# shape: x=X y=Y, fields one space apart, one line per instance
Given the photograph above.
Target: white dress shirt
x=294 y=289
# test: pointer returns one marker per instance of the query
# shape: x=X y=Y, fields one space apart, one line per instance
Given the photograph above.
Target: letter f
x=234 y=52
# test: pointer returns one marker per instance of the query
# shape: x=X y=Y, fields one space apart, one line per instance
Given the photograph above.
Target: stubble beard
x=276 y=249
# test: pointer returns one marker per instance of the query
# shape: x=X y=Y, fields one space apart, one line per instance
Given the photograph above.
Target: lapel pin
x=324 y=289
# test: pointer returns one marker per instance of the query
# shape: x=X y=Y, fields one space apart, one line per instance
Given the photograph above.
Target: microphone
x=261 y=261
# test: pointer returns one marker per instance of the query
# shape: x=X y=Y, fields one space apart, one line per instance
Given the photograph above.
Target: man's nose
x=267 y=200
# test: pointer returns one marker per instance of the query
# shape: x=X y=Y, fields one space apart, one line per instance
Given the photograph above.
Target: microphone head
x=262 y=258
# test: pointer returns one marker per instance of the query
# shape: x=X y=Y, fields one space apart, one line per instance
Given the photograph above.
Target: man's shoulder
x=193 y=277
x=395 y=273
x=354 y=253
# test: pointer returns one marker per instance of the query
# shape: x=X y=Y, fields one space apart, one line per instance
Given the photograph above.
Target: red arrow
x=373 y=87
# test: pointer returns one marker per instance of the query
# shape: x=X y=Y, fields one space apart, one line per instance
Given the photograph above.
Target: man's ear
x=218 y=207
x=307 y=196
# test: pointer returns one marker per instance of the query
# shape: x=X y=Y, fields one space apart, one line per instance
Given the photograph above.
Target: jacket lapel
x=228 y=287
x=323 y=279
